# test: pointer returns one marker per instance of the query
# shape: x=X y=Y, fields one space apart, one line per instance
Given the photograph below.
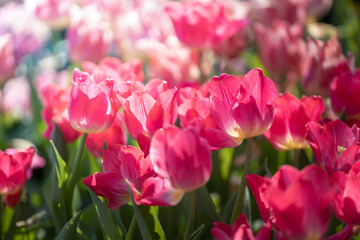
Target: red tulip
x=93 y=103
x=335 y=145
x=244 y=107
x=288 y=129
x=181 y=156
x=14 y=167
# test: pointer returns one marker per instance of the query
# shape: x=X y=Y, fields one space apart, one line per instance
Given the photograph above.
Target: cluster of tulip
x=186 y=120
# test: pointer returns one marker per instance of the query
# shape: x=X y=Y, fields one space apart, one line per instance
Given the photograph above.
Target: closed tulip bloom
x=93 y=104
x=14 y=167
x=291 y=115
x=243 y=108
x=181 y=156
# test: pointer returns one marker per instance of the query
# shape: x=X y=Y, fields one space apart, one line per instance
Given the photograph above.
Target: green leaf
x=59 y=141
x=206 y=207
x=139 y=217
x=57 y=203
x=150 y=215
x=69 y=230
x=225 y=158
x=60 y=167
x=106 y=222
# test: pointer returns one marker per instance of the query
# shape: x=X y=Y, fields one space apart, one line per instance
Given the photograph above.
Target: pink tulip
x=122 y=162
x=93 y=103
x=143 y=114
x=115 y=134
x=7 y=57
x=244 y=107
x=194 y=110
x=346 y=203
x=181 y=156
x=280 y=46
x=335 y=145
x=288 y=129
x=14 y=166
x=305 y=215
x=55 y=13
x=239 y=230
x=297 y=203
x=55 y=99
x=89 y=35
x=345 y=89
x=318 y=63
x=200 y=24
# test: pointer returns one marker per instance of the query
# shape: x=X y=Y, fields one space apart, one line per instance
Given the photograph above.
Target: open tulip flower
x=122 y=162
x=335 y=145
x=243 y=108
x=14 y=167
x=288 y=129
x=93 y=103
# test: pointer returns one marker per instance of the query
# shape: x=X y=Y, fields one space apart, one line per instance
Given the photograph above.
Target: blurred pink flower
x=201 y=24
x=7 y=58
x=16 y=99
x=89 y=35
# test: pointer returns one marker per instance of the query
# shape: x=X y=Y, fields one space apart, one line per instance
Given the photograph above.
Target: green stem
x=131 y=230
x=191 y=215
x=296 y=158
x=242 y=186
x=74 y=174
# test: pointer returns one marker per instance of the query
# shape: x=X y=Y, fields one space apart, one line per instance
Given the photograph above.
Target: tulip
x=294 y=215
x=122 y=162
x=181 y=156
x=89 y=35
x=239 y=230
x=115 y=134
x=346 y=203
x=345 y=89
x=143 y=114
x=55 y=13
x=288 y=129
x=93 y=104
x=200 y=24
x=335 y=145
x=7 y=57
x=243 y=108
x=14 y=167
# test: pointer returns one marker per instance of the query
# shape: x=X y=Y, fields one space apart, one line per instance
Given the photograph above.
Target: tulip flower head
x=14 y=167
x=243 y=108
x=93 y=104
x=288 y=129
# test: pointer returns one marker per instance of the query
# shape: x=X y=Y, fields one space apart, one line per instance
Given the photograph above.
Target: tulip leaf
x=59 y=141
x=150 y=215
x=60 y=167
x=57 y=202
x=206 y=207
x=69 y=230
x=139 y=217
x=105 y=219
